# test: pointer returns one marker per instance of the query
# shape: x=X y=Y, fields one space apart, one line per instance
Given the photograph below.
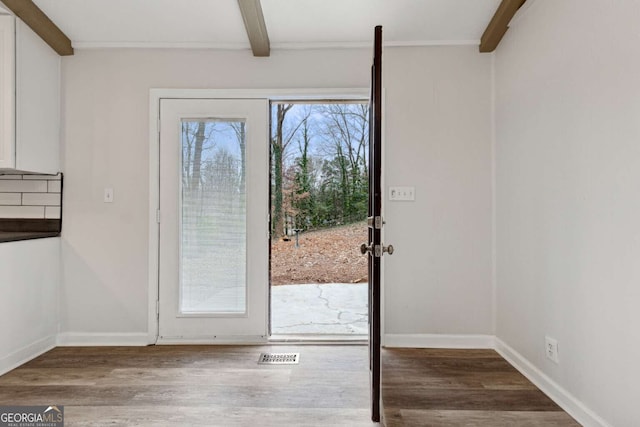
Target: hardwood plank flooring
x=196 y=386
x=224 y=386
x=437 y=388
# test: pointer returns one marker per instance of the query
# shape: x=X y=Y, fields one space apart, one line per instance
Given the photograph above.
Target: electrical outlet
x=551 y=349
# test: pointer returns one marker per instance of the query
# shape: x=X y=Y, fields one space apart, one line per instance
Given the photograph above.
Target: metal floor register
x=279 y=359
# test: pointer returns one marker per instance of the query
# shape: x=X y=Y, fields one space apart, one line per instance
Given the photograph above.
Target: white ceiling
x=290 y=23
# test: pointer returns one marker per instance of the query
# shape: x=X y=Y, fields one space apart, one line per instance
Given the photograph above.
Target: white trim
x=418 y=43
x=160 y=45
x=553 y=390
x=494 y=223
x=26 y=353
x=367 y=44
x=72 y=339
x=154 y=225
x=236 y=340
x=155 y=95
x=274 y=46
x=439 y=341
x=271 y=94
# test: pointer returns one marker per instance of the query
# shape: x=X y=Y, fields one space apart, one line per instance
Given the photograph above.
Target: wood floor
x=224 y=386
x=196 y=386
x=433 y=387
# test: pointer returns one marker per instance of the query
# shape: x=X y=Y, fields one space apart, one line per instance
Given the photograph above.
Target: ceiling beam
x=255 y=26
x=41 y=25
x=499 y=24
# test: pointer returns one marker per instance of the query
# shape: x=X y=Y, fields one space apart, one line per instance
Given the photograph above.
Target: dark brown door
x=374 y=247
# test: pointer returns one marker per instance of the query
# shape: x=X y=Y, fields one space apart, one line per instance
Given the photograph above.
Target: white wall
x=568 y=198
x=106 y=129
x=438 y=139
x=106 y=97
x=29 y=285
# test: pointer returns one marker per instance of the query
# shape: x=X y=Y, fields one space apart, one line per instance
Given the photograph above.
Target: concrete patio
x=319 y=309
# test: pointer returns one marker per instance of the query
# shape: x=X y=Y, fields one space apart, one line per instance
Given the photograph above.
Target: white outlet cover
x=551 y=349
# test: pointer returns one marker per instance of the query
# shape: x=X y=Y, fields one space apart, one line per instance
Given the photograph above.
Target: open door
x=375 y=248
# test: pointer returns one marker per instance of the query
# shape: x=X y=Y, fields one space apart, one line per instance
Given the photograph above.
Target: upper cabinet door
x=7 y=91
x=37 y=103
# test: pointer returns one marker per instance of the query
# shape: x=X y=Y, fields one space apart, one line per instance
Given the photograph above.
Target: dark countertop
x=12 y=230
x=13 y=236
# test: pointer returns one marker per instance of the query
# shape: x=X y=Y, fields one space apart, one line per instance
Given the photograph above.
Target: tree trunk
x=240 y=131
x=197 y=157
x=278 y=217
x=279 y=143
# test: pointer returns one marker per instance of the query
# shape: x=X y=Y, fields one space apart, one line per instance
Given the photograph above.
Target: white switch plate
x=108 y=195
x=402 y=193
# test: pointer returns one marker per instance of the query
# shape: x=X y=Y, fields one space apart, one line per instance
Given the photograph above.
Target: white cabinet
x=34 y=144
x=37 y=103
x=7 y=91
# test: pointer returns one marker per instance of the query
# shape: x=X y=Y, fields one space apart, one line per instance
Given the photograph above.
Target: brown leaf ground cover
x=324 y=256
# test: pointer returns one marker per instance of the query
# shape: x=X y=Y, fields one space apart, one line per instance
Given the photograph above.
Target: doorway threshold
x=313 y=339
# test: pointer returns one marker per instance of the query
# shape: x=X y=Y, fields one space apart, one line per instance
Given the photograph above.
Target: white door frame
x=155 y=95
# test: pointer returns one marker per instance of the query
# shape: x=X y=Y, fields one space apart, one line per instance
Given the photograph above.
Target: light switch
x=402 y=193
x=108 y=195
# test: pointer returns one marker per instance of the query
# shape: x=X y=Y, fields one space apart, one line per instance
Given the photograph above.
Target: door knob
x=364 y=248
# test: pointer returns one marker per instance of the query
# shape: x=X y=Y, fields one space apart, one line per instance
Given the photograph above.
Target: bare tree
x=345 y=129
x=197 y=137
x=283 y=134
x=239 y=129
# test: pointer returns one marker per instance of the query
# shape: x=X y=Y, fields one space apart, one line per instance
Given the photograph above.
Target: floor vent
x=279 y=359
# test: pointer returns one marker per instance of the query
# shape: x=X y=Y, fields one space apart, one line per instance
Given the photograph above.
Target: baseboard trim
x=78 y=339
x=562 y=397
x=228 y=340
x=438 y=341
x=26 y=353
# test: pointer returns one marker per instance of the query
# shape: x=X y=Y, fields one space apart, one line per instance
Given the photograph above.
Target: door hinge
x=375 y=222
x=157 y=307
x=158 y=126
x=158 y=216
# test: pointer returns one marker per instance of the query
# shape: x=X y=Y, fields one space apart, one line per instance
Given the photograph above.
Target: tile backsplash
x=30 y=196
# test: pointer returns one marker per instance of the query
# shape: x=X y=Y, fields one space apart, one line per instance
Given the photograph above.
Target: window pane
x=213 y=249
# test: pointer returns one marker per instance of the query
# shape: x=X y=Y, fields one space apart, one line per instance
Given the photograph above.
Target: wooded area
x=213 y=213
x=319 y=168
x=319 y=165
